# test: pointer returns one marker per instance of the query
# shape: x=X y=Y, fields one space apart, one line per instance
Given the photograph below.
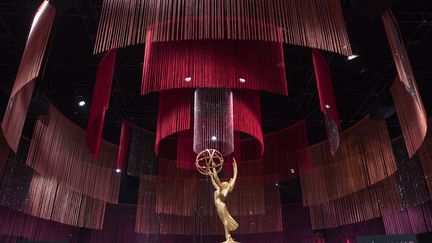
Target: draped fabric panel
x=327 y=100
x=174 y=202
x=408 y=103
x=425 y=157
x=255 y=65
x=125 y=137
x=174 y=114
x=26 y=191
x=17 y=225
x=365 y=157
x=415 y=220
x=373 y=202
x=31 y=62
x=58 y=151
x=100 y=101
x=317 y=24
x=4 y=154
x=247 y=115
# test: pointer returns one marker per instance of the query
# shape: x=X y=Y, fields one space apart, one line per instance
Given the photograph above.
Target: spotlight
x=352 y=57
x=214 y=138
x=277 y=184
x=118 y=170
x=327 y=106
x=242 y=80
x=188 y=79
x=81 y=103
x=292 y=171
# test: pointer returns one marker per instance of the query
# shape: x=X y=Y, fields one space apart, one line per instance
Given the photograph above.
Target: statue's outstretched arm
x=216 y=186
x=233 y=180
x=215 y=177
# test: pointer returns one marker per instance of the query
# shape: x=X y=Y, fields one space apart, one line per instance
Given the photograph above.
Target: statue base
x=230 y=241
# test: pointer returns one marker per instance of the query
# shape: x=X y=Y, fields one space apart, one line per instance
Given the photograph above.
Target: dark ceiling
x=361 y=85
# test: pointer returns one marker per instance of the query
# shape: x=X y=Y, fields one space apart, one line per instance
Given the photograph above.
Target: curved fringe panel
x=313 y=23
x=31 y=61
x=408 y=103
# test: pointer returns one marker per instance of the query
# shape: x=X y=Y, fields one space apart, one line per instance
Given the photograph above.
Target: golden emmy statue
x=209 y=162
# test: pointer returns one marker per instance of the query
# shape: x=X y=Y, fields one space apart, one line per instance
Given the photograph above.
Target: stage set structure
x=208 y=172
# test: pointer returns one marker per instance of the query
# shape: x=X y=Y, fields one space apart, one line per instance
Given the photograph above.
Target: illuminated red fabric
x=100 y=101
x=124 y=146
x=230 y=64
x=327 y=99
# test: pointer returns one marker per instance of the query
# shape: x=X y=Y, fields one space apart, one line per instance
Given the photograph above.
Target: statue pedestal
x=230 y=241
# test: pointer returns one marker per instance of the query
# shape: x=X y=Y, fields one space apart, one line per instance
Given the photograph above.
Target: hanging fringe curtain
x=425 y=156
x=174 y=113
x=58 y=151
x=371 y=203
x=255 y=65
x=409 y=106
x=327 y=100
x=316 y=24
x=31 y=61
x=21 y=226
x=100 y=102
x=176 y=215
x=364 y=158
x=35 y=195
x=4 y=154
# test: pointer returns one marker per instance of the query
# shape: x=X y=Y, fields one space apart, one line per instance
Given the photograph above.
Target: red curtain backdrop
x=316 y=24
x=174 y=114
x=327 y=100
x=58 y=151
x=349 y=233
x=364 y=158
x=31 y=61
x=255 y=65
x=407 y=99
x=100 y=101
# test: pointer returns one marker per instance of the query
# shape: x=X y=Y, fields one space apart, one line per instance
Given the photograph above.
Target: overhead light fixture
x=242 y=80
x=352 y=57
x=118 y=170
x=277 y=184
x=214 y=138
x=188 y=79
x=292 y=171
x=327 y=106
x=81 y=103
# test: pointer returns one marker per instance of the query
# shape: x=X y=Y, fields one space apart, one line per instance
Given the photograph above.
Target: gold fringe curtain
x=58 y=151
x=314 y=23
x=367 y=204
x=408 y=103
x=31 y=62
x=425 y=155
x=364 y=158
x=28 y=192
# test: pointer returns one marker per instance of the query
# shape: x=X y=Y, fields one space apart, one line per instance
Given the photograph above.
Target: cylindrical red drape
x=327 y=100
x=125 y=137
x=230 y=64
x=174 y=114
x=31 y=61
x=100 y=101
